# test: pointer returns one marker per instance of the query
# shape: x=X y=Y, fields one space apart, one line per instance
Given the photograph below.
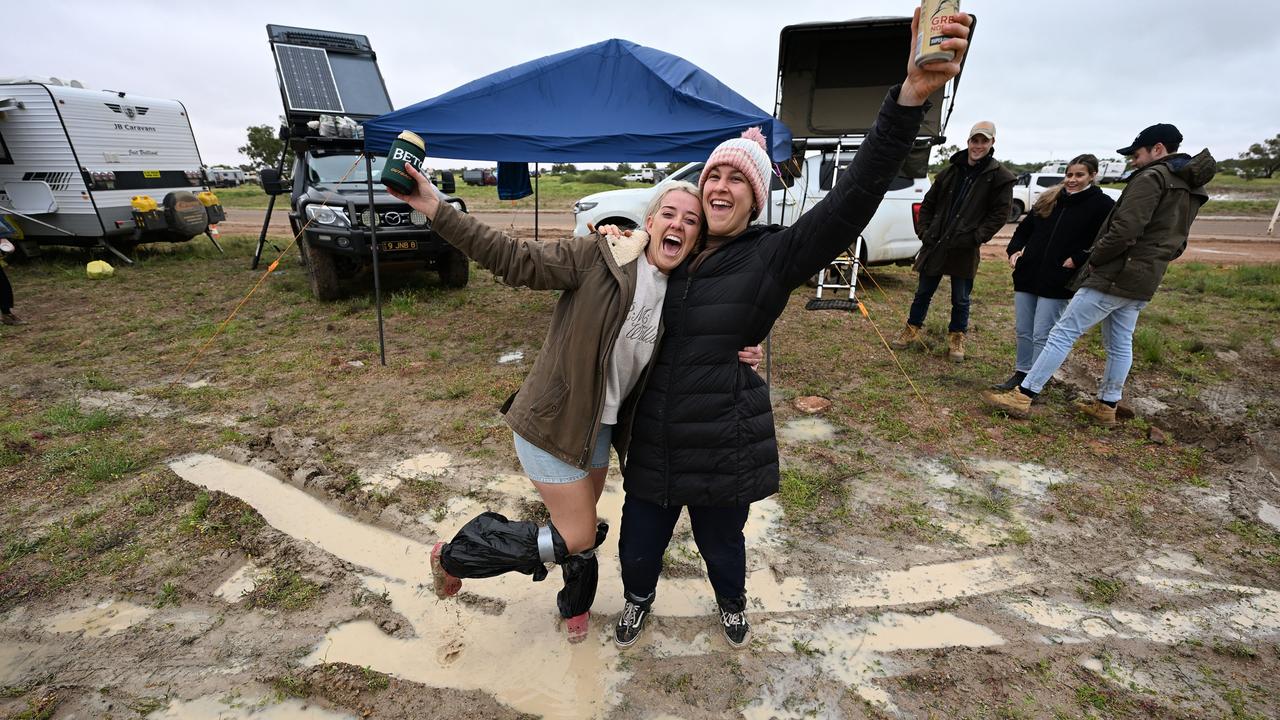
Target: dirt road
x=1225 y=240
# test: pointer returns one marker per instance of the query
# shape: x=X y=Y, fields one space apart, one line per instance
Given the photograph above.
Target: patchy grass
x=1101 y=590
x=283 y=590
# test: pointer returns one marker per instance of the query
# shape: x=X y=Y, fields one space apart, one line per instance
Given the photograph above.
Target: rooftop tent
x=611 y=101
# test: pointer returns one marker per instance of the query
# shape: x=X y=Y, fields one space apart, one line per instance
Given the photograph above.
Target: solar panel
x=308 y=79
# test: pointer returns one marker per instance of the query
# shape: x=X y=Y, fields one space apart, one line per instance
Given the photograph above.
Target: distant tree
x=263 y=148
x=653 y=165
x=1262 y=159
x=943 y=155
x=625 y=168
x=672 y=167
x=557 y=168
x=247 y=167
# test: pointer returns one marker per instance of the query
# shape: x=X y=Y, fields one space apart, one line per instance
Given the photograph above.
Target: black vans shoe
x=631 y=622
x=734 y=623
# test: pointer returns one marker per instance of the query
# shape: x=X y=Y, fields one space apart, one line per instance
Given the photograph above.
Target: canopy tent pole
x=537 y=199
x=373 y=243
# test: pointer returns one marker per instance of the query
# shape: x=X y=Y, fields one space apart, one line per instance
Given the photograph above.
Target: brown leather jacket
x=558 y=407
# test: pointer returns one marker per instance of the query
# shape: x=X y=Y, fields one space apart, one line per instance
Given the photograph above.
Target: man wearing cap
x=1146 y=230
x=968 y=203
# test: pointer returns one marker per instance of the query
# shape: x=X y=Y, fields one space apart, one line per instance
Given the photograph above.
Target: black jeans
x=961 y=288
x=6 y=293
x=646 y=532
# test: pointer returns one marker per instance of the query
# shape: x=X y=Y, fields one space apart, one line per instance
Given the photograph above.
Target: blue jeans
x=541 y=466
x=1119 y=317
x=1034 y=316
x=961 y=288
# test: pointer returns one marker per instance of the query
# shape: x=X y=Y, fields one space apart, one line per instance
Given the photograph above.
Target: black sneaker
x=630 y=622
x=1014 y=381
x=736 y=629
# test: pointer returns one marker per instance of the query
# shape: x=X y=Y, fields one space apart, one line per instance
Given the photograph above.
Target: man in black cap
x=1146 y=230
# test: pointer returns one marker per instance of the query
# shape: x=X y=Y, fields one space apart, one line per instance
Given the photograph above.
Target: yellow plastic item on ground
x=100 y=269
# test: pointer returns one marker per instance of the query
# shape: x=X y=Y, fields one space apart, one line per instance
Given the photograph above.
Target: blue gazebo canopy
x=608 y=102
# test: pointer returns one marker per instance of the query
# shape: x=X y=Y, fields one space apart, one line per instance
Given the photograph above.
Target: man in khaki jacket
x=1146 y=230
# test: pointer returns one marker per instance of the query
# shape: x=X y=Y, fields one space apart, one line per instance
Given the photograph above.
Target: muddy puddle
x=241 y=583
x=104 y=619
x=236 y=707
x=808 y=429
x=425 y=466
x=1255 y=613
x=454 y=642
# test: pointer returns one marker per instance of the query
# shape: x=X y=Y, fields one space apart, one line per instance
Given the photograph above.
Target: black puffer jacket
x=1047 y=242
x=702 y=431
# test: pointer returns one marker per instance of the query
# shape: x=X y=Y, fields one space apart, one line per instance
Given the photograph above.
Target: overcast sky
x=1057 y=78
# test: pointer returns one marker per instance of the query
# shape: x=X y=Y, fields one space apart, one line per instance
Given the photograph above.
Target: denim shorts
x=541 y=466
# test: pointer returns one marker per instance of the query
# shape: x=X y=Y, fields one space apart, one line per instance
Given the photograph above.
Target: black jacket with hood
x=1047 y=242
x=703 y=430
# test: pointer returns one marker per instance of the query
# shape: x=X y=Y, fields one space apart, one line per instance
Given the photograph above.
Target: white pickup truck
x=890 y=237
x=1028 y=186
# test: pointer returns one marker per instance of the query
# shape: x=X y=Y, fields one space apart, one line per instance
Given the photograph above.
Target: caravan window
x=5 y=157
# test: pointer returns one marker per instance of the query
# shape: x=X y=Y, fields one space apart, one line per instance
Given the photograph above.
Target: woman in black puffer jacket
x=702 y=431
x=1046 y=249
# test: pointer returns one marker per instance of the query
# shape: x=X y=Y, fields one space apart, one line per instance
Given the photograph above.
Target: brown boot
x=1013 y=402
x=909 y=336
x=955 y=346
x=1100 y=412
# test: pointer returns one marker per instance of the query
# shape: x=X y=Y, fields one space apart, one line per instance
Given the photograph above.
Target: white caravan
x=97 y=167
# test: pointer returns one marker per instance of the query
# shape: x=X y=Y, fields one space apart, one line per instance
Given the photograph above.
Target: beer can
x=933 y=15
x=408 y=149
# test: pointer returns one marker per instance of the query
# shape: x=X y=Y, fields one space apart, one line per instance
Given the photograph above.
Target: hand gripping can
x=933 y=15
x=408 y=149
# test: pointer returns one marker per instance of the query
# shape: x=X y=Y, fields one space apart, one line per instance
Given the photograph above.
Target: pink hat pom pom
x=756 y=136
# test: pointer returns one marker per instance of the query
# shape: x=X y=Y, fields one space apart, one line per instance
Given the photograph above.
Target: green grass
x=801 y=492
x=284 y=590
x=1257 y=285
x=67 y=418
x=1101 y=590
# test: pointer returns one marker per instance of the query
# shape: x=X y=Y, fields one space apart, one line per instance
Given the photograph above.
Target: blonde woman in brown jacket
x=574 y=403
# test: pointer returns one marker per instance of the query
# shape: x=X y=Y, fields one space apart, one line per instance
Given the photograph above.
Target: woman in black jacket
x=702 y=431
x=1046 y=249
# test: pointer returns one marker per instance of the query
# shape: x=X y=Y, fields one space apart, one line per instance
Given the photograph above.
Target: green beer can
x=408 y=149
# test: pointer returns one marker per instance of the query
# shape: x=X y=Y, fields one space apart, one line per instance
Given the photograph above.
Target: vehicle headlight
x=326 y=215
x=583 y=206
x=418 y=218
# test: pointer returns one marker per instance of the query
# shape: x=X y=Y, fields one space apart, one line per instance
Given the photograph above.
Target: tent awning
x=608 y=102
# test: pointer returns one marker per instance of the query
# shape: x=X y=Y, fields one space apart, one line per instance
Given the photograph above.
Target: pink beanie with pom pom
x=746 y=154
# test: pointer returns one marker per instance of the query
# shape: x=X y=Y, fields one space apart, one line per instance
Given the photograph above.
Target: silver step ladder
x=842 y=273
x=840 y=276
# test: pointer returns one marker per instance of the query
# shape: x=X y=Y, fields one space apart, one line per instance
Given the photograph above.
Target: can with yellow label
x=933 y=15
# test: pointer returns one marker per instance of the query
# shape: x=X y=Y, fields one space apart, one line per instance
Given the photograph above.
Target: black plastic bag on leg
x=490 y=545
x=581 y=575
